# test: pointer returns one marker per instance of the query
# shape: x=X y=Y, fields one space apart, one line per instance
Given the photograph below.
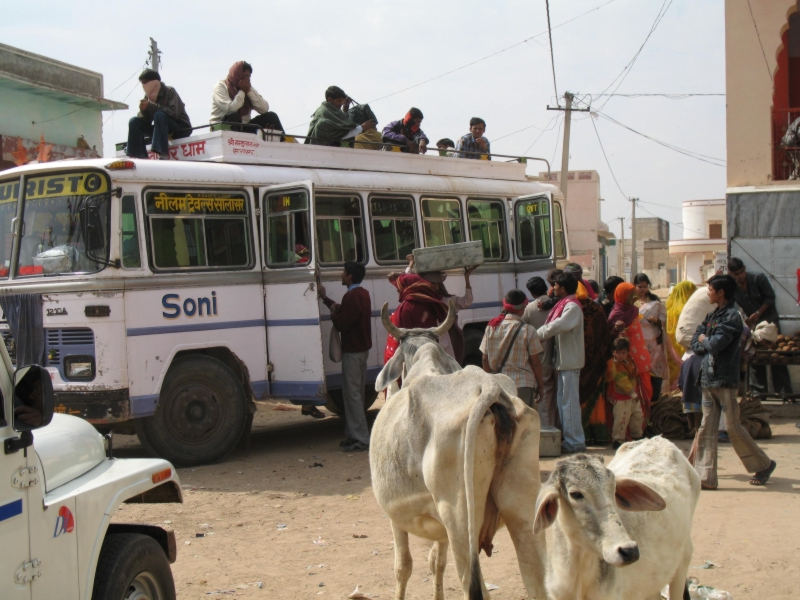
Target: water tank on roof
x=698 y=214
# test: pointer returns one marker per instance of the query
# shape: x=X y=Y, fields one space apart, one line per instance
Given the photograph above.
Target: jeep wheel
x=201 y=414
x=132 y=566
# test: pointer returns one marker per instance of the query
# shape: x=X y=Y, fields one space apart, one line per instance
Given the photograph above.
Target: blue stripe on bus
x=145 y=406
x=11 y=509
x=296 y=390
x=208 y=326
x=333 y=381
x=291 y=322
x=486 y=305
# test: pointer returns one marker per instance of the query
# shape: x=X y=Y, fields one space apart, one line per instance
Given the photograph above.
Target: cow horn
x=448 y=322
x=393 y=330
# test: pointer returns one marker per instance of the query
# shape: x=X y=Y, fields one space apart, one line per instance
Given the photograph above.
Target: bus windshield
x=60 y=210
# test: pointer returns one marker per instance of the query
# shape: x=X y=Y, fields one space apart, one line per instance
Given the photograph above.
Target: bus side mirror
x=33 y=398
x=92 y=229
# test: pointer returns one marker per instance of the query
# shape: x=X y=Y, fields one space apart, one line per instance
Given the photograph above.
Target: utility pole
x=154 y=55
x=568 y=110
x=621 y=253
x=634 y=265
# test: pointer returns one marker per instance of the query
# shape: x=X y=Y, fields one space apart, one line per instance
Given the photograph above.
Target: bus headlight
x=79 y=366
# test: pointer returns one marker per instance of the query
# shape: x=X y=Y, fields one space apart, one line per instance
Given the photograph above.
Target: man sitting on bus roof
x=234 y=99
x=474 y=145
x=406 y=133
x=330 y=123
x=161 y=114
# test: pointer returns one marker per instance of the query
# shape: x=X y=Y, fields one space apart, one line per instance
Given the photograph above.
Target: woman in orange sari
x=624 y=320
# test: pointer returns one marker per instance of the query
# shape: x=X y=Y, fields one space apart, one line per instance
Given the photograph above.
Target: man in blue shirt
x=474 y=142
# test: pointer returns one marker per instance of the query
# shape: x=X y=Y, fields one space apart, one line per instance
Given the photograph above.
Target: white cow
x=454 y=456
x=590 y=540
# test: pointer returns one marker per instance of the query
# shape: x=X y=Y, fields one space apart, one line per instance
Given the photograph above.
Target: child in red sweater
x=621 y=379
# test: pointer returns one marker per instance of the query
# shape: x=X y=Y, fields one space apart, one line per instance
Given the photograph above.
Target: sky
x=453 y=59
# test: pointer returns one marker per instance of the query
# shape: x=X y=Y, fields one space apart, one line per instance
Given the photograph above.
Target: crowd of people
x=339 y=121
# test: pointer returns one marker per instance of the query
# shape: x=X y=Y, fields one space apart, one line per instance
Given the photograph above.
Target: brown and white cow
x=454 y=456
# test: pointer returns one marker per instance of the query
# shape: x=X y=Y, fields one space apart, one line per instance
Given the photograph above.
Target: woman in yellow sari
x=678 y=298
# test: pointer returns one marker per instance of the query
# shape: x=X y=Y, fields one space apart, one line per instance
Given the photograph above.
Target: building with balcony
x=703 y=247
x=50 y=110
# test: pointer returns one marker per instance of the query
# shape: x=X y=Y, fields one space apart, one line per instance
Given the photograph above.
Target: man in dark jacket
x=353 y=319
x=161 y=114
x=717 y=340
x=756 y=298
x=406 y=133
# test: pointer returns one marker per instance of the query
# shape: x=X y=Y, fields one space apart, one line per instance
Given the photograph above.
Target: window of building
x=487 y=224
x=287 y=220
x=441 y=221
x=533 y=229
x=340 y=234
x=130 y=234
x=394 y=229
x=198 y=229
x=715 y=231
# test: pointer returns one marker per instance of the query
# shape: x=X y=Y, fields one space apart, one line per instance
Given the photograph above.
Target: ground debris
x=359 y=595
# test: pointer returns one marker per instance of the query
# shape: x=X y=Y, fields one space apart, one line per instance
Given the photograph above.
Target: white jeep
x=59 y=489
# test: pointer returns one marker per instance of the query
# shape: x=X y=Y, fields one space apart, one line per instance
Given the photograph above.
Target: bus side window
x=533 y=229
x=394 y=229
x=130 y=234
x=558 y=231
x=340 y=235
x=287 y=227
x=199 y=229
x=487 y=225
x=441 y=221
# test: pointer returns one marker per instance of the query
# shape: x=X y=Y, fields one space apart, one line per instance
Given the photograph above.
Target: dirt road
x=296 y=516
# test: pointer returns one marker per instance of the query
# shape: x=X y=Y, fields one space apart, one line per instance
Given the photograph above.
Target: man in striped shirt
x=511 y=346
x=474 y=142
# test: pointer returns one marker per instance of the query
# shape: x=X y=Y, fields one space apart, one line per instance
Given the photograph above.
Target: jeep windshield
x=60 y=212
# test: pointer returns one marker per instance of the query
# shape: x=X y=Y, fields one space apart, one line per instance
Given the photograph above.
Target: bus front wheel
x=201 y=413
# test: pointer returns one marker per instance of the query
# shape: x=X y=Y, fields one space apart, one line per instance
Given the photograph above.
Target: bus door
x=535 y=227
x=294 y=341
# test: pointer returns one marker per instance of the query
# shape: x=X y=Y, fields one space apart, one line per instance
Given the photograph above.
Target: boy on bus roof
x=406 y=133
x=234 y=99
x=330 y=123
x=474 y=143
x=161 y=114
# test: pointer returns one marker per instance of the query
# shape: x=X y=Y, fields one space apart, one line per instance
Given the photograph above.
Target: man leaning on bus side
x=161 y=114
x=353 y=319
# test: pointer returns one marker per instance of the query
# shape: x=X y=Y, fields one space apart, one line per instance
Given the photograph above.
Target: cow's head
x=417 y=346
x=584 y=495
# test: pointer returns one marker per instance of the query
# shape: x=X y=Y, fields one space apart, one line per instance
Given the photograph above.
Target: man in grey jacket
x=565 y=324
x=161 y=114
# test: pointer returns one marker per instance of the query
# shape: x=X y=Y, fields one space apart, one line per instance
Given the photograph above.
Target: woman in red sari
x=420 y=306
x=624 y=321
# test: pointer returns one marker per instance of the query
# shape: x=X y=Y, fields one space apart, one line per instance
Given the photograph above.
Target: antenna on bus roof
x=154 y=55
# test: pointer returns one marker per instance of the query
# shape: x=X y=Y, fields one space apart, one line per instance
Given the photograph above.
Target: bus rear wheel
x=201 y=414
x=335 y=404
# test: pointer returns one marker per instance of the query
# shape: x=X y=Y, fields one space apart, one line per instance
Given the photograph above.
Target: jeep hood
x=67 y=448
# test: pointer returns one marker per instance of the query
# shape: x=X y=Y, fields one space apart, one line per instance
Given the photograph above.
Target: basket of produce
x=785 y=351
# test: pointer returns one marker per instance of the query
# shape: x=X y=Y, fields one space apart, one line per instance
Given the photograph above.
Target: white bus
x=174 y=293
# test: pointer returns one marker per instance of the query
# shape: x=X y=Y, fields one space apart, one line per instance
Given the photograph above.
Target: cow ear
x=546 y=509
x=636 y=496
x=391 y=371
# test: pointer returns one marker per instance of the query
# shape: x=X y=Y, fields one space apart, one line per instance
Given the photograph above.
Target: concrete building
x=652 y=253
x=703 y=247
x=47 y=105
x=589 y=237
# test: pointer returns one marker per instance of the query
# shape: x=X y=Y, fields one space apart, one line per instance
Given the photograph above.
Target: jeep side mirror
x=92 y=229
x=33 y=398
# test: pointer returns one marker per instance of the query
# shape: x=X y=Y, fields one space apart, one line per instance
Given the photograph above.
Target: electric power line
x=596 y=8
x=627 y=69
x=614 y=177
x=670 y=96
x=524 y=129
x=552 y=56
x=718 y=162
x=758 y=35
x=558 y=138
x=548 y=128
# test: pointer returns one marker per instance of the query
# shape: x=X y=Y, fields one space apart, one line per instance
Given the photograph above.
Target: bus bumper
x=100 y=407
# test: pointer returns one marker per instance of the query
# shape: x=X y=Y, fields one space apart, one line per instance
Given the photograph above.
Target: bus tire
x=472 y=347
x=132 y=565
x=201 y=413
x=335 y=403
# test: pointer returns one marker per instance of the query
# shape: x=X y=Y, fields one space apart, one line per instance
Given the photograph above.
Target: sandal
x=707 y=488
x=762 y=477
x=312 y=411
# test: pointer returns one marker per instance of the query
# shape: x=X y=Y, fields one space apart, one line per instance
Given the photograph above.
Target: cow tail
x=490 y=393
